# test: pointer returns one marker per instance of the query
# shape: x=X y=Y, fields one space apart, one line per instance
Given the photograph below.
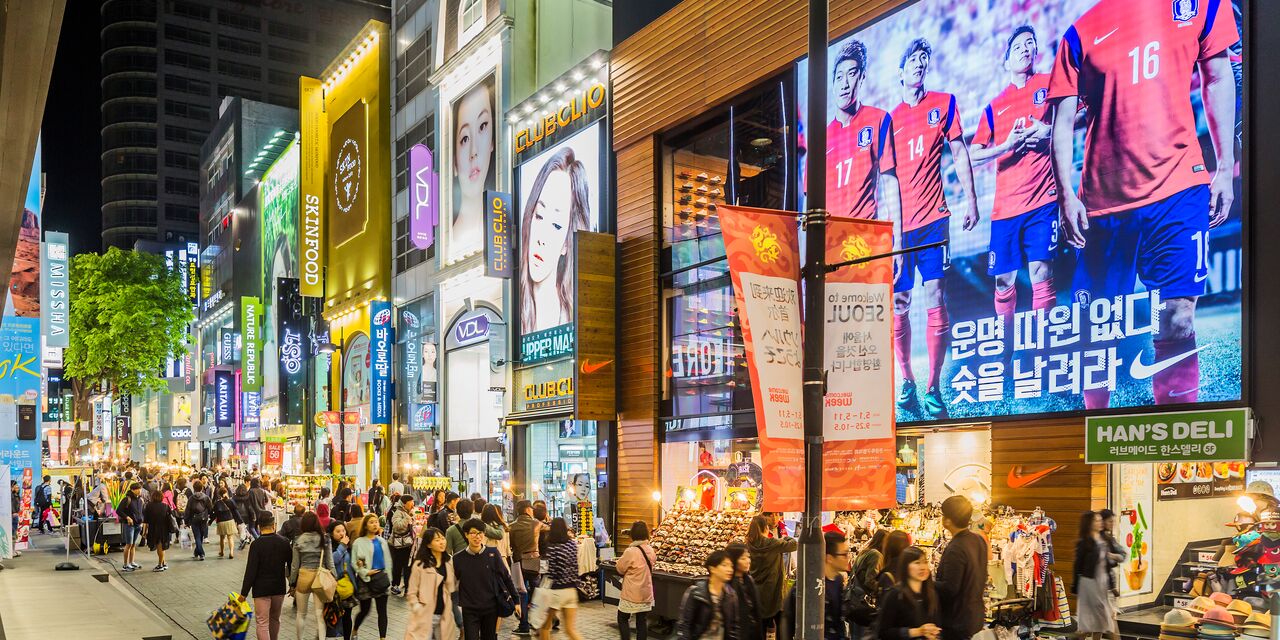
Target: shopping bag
x=230 y=619
x=184 y=537
x=324 y=585
x=540 y=605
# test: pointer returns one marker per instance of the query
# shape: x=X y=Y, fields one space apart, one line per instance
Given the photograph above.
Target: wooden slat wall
x=1063 y=495
x=700 y=54
x=639 y=242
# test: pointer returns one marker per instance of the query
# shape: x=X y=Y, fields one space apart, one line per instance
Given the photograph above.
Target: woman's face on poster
x=473 y=142
x=549 y=228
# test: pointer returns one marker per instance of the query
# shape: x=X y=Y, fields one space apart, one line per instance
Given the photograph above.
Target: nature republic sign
x=1188 y=436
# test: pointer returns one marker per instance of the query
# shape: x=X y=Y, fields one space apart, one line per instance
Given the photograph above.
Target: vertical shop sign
x=193 y=273
x=312 y=123
x=222 y=400
x=380 y=352
x=251 y=409
x=348 y=188
x=763 y=251
x=858 y=427
x=252 y=349
x=424 y=203
x=497 y=234
x=55 y=289
x=290 y=330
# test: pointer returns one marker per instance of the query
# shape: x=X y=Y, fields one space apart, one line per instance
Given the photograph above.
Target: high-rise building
x=166 y=66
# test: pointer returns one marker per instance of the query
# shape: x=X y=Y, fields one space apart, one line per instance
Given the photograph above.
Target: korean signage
x=223 y=399
x=497 y=234
x=1187 y=436
x=250 y=410
x=291 y=328
x=250 y=310
x=120 y=425
x=193 y=273
x=311 y=241
x=424 y=197
x=380 y=343
x=20 y=386
x=416 y=342
x=55 y=287
x=348 y=189
x=422 y=417
x=1048 y=296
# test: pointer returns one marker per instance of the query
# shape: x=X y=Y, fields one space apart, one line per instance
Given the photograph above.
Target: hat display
x=1221 y=599
x=1217 y=623
x=1257 y=625
x=1240 y=610
x=1200 y=605
x=1178 y=624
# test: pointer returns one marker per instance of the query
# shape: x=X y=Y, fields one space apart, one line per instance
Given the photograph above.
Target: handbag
x=377 y=585
x=540 y=604
x=506 y=600
x=860 y=603
x=324 y=585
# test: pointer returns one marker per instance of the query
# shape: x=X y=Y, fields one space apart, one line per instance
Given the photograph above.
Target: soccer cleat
x=907 y=401
x=933 y=404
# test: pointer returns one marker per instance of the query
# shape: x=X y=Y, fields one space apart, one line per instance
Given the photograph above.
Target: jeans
x=400 y=566
x=199 y=530
x=266 y=611
x=642 y=625
x=530 y=583
x=381 y=602
x=480 y=625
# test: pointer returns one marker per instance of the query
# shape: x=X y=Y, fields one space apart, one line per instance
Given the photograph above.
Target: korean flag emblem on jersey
x=935 y=116
x=1184 y=10
x=1040 y=96
x=864 y=137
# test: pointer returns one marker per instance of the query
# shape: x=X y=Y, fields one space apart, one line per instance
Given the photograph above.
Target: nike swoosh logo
x=1177 y=394
x=1018 y=480
x=1202 y=278
x=1140 y=370
x=1001 y=112
x=588 y=367
x=1097 y=41
x=942 y=332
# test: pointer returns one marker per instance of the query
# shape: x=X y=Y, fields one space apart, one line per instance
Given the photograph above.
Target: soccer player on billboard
x=1147 y=196
x=922 y=123
x=859 y=145
x=1014 y=131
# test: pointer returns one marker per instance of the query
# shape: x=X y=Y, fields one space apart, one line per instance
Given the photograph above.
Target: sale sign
x=858 y=411
x=763 y=252
x=273 y=453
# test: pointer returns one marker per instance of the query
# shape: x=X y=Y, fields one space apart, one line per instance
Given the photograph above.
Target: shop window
x=561 y=464
x=470 y=20
x=702 y=473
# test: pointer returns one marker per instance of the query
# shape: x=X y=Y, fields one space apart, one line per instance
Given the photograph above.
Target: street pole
x=810 y=581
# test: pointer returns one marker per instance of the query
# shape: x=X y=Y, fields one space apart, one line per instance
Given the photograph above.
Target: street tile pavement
x=191 y=590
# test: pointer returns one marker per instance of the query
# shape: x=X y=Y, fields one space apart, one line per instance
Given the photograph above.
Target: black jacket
x=901 y=610
x=199 y=505
x=1087 y=551
x=224 y=510
x=291 y=528
x=477 y=586
x=131 y=507
x=696 y=612
x=244 y=506
x=441 y=519
x=750 y=627
x=961 y=581
x=267 y=572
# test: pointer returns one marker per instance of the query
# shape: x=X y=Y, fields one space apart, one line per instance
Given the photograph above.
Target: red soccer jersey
x=1131 y=64
x=919 y=132
x=857 y=154
x=1024 y=181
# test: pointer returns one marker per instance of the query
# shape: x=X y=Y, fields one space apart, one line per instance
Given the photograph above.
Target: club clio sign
x=497 y=234
x=579 y=106
x=424 y=207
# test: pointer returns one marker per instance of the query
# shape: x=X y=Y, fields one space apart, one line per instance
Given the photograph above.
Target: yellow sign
x=553 y=393
x=575 y=108
x=766 y=244
x=311 y=187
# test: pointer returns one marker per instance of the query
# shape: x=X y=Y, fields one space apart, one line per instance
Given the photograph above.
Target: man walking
x=266 y=576
x=482 y=580
x=962 y=573
x=42 y=501
x=524 y=554
x=197 y=514
x=446 y=516
x=456 y=536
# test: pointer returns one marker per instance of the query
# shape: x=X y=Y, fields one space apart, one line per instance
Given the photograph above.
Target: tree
x=129 y=314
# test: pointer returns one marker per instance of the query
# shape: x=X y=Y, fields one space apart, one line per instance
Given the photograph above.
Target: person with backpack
x=636 y=568
x=456 y=538
x=524 y=535
x=485 y=590
x=196 y=513
x=42 y=501
x=400 y=539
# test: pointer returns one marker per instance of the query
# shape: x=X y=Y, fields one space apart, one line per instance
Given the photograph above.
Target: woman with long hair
x=1095 y=610
x=559 y=204
x=157 y=525
x=371 y=557
x=496 y=532
x=437 y=500
x=473 y=144
x=561 y=553
x=431 y=586
x=341 y=569
x=767 y=569
x=228 y=517
x=910 y=609
x=894 y=545
x=750 y=626
x=311 y=552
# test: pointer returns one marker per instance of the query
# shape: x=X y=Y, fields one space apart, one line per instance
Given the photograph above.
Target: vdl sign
x=471 y=330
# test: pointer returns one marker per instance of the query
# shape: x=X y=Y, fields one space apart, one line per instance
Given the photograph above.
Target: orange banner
x=858 y=418
x=764 y=261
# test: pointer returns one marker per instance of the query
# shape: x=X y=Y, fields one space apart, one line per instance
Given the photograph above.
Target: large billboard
x=474 y=170
x=1094 y=256
x=278 y=204
x=20 y=385
x=23 y=297
x=561 y=192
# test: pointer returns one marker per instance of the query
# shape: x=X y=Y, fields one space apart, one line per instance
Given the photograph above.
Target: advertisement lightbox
x=55 y=288
x=1103 y=272
x=474 y=165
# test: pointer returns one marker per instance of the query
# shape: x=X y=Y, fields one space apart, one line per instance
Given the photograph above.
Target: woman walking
x=496 y=532
x=430 y=595
x=341 y=569
x=750 y=627
x=636 y=568
x=1096 y=612
x=561 y=553
x=310 y=553
x=767 y=570
x=158 y=526
x=228 y=517
x=371 y=558
x=910 y=609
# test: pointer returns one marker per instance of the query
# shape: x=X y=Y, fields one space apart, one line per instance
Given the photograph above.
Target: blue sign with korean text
x=380 y=341
x=222 y=399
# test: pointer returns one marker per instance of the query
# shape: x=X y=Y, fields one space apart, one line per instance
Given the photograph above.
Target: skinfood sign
x=1189 y=436
x=583 y=106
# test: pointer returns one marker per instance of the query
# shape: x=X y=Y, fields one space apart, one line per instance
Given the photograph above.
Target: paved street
x=189 y=591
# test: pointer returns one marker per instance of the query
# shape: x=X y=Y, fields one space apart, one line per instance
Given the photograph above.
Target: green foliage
x=129 y=314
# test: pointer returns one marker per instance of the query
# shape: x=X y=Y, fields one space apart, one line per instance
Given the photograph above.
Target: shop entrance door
x=478 y=472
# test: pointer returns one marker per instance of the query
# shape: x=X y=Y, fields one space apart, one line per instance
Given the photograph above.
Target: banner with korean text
x=858 y=414
x=764 y=262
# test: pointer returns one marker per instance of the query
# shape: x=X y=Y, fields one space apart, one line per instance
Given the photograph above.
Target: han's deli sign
x=1188 y=436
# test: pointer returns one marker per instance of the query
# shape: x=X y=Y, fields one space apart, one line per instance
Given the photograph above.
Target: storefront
x=475 y=380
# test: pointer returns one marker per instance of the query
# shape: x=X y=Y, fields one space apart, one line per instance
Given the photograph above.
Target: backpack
x=401 y=529
x=859 y=603
x=181 y=501
x=199 y=508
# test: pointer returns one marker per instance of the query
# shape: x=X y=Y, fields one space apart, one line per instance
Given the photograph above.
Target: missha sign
x=1188 y=436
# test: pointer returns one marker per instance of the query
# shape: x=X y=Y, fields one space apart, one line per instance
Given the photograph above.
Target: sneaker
x=933 y=404
x=128 y=568
x=396 y=590
x=158 y=568
x=907 y=401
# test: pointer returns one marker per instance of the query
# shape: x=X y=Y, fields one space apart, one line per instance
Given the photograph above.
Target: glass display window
x=561 y=465
x=712 y=474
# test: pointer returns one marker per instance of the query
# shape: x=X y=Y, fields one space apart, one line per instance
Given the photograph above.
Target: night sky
x=71 y=131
